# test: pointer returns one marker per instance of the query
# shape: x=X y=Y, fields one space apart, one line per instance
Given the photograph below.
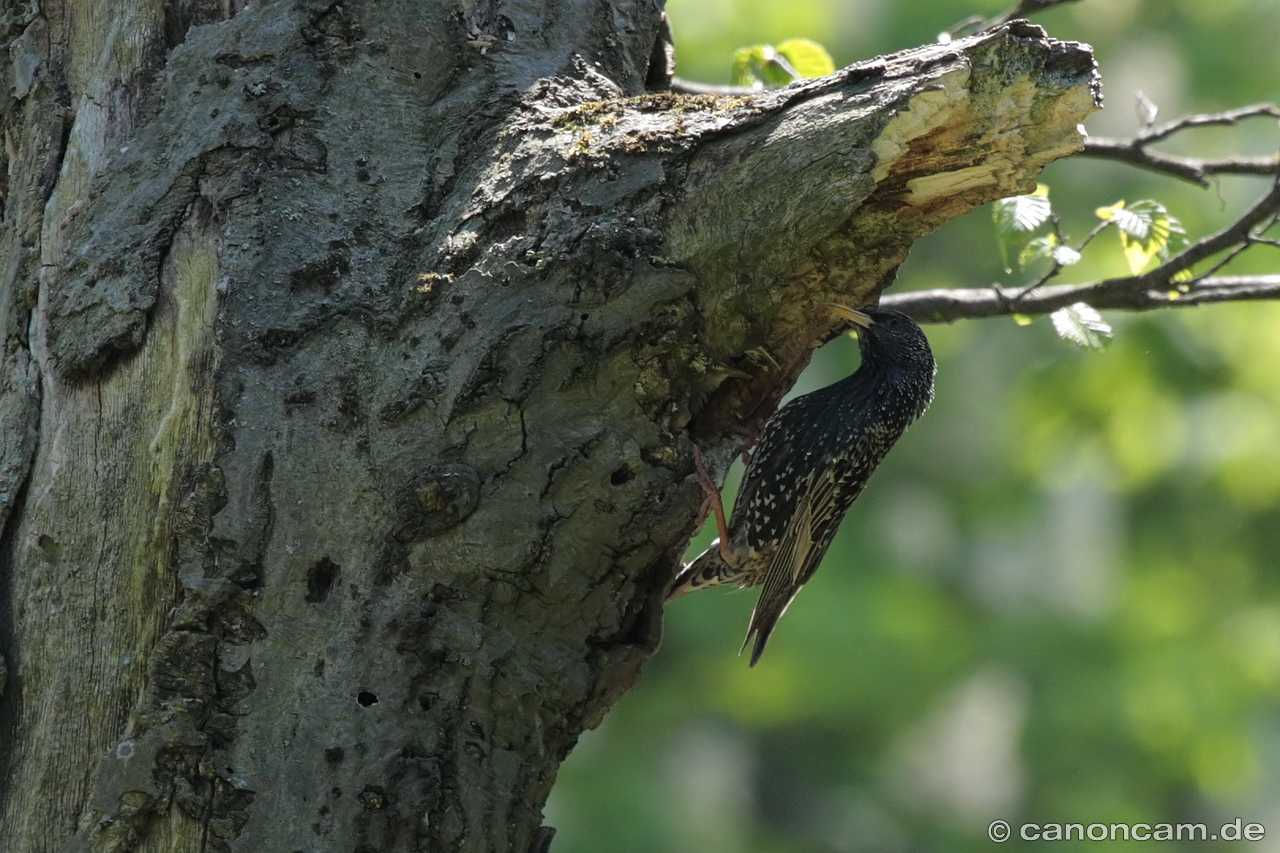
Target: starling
x=812 y=461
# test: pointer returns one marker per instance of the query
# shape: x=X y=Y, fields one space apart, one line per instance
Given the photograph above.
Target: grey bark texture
x=352 y=360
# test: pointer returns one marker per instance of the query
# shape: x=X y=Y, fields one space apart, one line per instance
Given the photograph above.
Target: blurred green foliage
x=1059 y=599
x=763 y=66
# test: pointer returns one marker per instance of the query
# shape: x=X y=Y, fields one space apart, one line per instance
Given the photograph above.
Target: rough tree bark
x=352 y=359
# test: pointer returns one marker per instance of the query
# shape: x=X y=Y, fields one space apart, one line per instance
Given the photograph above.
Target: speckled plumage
x=812 y=461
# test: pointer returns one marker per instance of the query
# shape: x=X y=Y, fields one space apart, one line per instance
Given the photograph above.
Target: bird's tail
x=707 y=569
x=774 y=601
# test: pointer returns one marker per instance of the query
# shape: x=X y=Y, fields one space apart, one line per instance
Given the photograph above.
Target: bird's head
x=889 y=338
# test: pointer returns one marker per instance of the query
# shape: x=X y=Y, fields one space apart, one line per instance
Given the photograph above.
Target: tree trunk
x=353 y=355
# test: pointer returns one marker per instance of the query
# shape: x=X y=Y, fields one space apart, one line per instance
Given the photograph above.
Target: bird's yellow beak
x=851 y=314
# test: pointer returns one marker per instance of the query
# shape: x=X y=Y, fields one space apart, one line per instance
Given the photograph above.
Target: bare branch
x=1236 y=232
x=1154 y=289
x=1135 y=153
x=949 y=305
x=1025 y=9
x=693 y=87
x=977 y=23
x=1185 y=168
x=1204 y=119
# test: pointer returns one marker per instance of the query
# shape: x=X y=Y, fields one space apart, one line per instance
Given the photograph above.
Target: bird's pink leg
x=714 y=502
x=751 y=436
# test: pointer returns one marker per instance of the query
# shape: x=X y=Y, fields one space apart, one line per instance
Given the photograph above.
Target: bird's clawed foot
x=712 y=502
x=760 y=355
x=751 y=435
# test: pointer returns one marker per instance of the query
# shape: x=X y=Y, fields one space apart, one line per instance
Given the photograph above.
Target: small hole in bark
x=365 y=698
x=622 y=475
x=320 y=580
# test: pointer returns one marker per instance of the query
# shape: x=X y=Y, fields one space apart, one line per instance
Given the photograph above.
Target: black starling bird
x=812 y=461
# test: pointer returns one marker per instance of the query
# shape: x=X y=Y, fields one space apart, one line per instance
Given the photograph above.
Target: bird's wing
x=796 y=558
x=772 y=488
x=765 y=501
x=826 y=497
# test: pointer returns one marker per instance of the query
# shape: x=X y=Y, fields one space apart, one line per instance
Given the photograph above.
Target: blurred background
x=1058 y=601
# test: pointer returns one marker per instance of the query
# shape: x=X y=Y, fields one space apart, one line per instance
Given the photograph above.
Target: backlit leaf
x=1147 y=231
x=807 y=57
x=1020 y=215
x=1022 y=212
x=1082 y=325
x=762 y=66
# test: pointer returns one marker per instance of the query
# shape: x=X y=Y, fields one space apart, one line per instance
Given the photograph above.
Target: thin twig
x=1231 y=256
x=1206 y=247
x=1057 y=266
x=1093 y=232
x=1135 y=152
x=1021 y=9
x=1025 y=9
x=1203 y=119
x=1185 y=168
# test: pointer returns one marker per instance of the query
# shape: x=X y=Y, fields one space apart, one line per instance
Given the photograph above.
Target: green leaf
x=1018 y=215
x=1047 y=246
x=762 y=66
x=807 y=57
x=1147 y=231
x=1038 y=248
x=1082 y=325
x=1023 y=213
x=1125 y=220
x=1108 y=212
x=747 y=65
